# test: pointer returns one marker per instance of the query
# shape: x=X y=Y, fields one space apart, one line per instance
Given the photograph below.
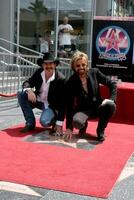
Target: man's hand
x=65 y=30
x=68 y=135
x=58 y=130
x=31 y=96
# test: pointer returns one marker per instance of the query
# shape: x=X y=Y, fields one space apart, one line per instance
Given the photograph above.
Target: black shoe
x=100 y=136
x=27 y=128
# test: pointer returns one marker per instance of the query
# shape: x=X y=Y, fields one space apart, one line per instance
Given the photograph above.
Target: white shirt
x=43 y=93
x=64 y=38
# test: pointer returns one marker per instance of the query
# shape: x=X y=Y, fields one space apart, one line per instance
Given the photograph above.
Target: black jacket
x=78 y=100
x=55 y=94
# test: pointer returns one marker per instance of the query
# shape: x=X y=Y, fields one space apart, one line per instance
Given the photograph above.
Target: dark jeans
x=47 y=117
x=103 y=112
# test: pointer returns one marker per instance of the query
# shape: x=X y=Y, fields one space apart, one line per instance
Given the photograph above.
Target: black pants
x=103 y=112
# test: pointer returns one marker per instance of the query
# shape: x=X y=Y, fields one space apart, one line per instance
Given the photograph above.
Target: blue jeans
x=47 y=117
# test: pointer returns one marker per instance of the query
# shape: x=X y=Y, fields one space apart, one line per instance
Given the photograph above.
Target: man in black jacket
x=44 y=90
x=83 y=99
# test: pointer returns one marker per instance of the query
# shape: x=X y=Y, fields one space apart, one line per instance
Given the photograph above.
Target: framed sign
x=113 y=45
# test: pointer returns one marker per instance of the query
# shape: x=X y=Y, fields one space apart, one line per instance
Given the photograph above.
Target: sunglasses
x=82 y=65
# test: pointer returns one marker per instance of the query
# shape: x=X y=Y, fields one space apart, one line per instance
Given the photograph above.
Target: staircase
x=14 y=69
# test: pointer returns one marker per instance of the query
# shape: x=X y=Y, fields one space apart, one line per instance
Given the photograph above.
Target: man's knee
x=46 y=123
x=109 y=108
x=47 y=117
x=79 y=120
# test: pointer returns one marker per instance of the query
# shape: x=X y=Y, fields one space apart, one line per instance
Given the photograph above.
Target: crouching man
x=48 y=95
x=83 y=98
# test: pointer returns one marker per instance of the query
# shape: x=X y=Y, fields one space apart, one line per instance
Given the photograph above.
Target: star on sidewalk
x=45 y=138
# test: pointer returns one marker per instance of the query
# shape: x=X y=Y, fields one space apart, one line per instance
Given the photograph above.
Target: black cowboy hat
x=47 y=58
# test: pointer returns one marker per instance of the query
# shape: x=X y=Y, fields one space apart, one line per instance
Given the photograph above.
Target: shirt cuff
x=59 y=123
x=26 y=89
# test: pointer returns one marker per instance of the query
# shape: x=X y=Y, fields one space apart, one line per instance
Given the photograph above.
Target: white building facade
x=25 y=22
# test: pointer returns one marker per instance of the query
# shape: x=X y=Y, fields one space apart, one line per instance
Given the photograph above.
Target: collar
x=44 y=77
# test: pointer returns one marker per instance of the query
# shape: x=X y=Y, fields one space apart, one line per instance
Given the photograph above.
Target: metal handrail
x=16 y=55
x=20 y=46
x=12 y=63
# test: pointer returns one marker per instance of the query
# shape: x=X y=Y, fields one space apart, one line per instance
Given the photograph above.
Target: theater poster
x=113 y=45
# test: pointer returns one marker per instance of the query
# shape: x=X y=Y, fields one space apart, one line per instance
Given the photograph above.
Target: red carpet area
x=87 y=172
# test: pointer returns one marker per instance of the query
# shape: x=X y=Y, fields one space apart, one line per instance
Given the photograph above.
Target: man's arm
x=112 y=85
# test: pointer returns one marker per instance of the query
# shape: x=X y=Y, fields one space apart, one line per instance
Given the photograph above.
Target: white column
x=7 y=19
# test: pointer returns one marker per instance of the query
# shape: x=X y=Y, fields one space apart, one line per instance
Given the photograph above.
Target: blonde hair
x=78 y=55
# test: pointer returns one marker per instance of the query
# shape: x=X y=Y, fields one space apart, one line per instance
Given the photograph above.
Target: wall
x=7 y=19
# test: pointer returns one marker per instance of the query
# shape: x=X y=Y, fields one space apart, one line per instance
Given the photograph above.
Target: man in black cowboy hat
x=48 y=95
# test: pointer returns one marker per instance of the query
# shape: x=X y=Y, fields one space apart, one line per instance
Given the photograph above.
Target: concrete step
x=9 y=87
x=8 y=103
